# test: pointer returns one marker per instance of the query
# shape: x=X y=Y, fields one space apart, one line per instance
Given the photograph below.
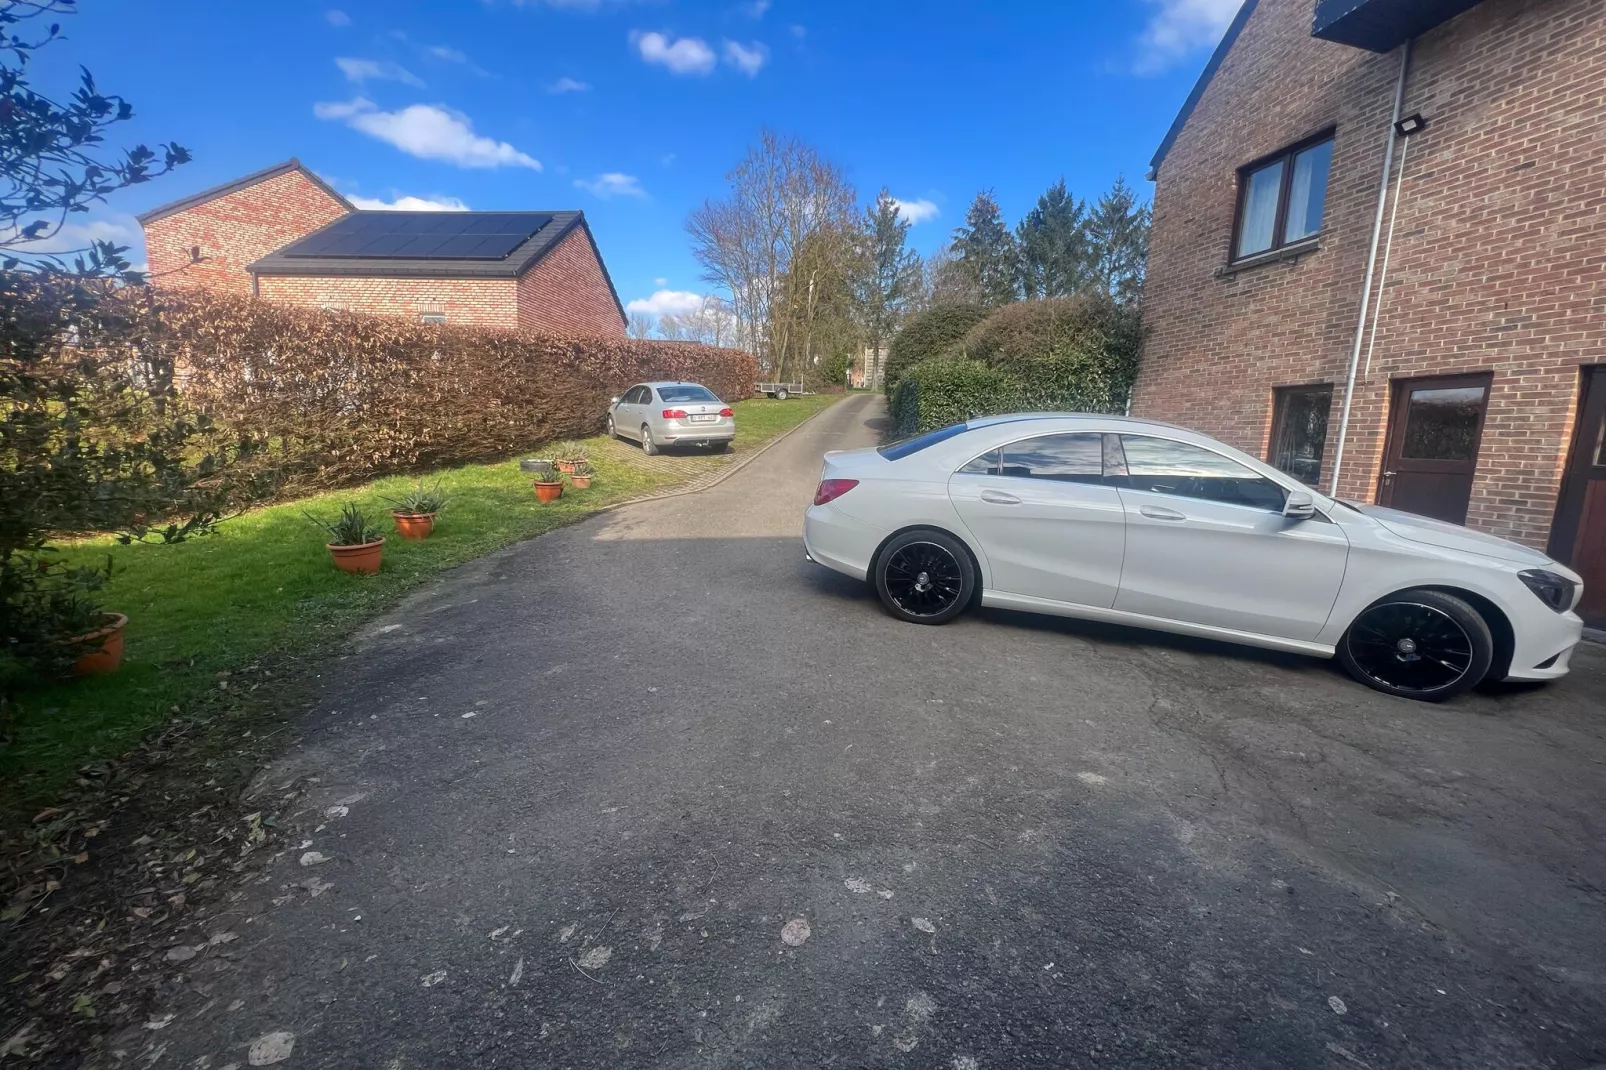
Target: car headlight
x=1553 y=590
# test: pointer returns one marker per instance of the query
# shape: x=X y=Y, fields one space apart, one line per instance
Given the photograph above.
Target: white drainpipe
x=1371 y=267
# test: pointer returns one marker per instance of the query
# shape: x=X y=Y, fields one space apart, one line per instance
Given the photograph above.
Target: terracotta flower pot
x=363 y=557
x=414 y=525
x=580 y=482
x=102 y=648
x=548 y=492
x=567 y=467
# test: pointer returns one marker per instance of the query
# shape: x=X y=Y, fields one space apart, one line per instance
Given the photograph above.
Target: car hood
x=1454 y=537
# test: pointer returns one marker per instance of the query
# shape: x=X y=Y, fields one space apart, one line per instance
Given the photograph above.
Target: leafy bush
x=344 y=397
x=927 y=335
x=420 y=500
x=937 y=393
x=350 y=529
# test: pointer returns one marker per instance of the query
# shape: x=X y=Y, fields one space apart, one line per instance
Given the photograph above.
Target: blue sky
x=633 y=109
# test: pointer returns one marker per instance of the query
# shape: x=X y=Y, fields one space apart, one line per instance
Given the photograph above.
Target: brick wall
x=1498 y=258
x=468 y=302
x=568 y=293
x=234 y=230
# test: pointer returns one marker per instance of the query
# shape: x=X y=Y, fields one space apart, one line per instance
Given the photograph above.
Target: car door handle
x=998 y=497
x=1156 y=512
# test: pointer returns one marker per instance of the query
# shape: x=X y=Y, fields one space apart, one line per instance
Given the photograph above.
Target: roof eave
x=1228 y=39
x=244 y=182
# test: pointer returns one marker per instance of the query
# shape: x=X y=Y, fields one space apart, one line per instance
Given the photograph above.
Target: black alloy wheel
x=1418 y=644
x=925 y=577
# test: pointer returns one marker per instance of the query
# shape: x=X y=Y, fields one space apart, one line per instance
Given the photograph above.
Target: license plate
x=704 y=418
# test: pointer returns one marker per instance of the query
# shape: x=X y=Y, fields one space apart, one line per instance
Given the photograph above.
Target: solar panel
x=421 y=236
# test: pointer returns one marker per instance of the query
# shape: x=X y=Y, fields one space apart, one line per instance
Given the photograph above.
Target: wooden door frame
x=1398 y=414
x=1569 y=514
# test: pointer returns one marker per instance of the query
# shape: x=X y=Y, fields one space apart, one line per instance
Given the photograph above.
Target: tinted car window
x=684 y=392
x=1166 y=467
x=985 y=465
x=1063 y=458
x=633 y=396
x=898 y=450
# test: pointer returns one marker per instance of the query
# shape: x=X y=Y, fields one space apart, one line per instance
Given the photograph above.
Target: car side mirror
x=1299 y=506
x=613 y=401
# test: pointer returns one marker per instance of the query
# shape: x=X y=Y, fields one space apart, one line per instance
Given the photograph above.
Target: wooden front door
x=1579 y=535
x=1432 y=449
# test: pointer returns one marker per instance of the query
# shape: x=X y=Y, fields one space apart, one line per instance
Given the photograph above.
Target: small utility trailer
x=780 y=391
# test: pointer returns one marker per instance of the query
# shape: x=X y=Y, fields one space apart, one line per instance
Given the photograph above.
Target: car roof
x=672 y=382
x=1103 y=418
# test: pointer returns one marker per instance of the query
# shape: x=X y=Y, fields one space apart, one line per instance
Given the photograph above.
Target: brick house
x=286 y=235
x=1378 y=260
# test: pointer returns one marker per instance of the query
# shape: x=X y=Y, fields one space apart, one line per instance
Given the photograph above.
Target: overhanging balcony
x=1381 y=25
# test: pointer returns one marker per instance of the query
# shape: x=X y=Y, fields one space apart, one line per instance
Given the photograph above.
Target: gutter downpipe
x=1371 y=267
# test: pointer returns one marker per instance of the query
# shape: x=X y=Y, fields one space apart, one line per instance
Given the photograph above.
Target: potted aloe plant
x=569 y=454
x=354 y=544
x=96 y=647
x=582 y=475
x=548 y=486
x=415 y=511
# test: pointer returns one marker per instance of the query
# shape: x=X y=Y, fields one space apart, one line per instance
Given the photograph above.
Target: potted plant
x=95 y=647
x=415 y=511
x=548 y=486
x=569 y=454
x=354 y=544
x=582 y=475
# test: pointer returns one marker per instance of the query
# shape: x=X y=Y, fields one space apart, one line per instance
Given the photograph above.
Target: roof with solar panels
x=424 y=244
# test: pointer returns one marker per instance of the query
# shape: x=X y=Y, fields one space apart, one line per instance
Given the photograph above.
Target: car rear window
x=686 y=392
x=894 y=451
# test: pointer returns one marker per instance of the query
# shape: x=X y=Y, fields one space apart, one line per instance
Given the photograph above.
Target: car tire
x=613 y=432
x=648 y=446
x=925 y=577
x=721 y=447
x=1419 y=644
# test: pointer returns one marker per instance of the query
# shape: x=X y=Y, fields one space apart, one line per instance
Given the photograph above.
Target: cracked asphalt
x=571 y=795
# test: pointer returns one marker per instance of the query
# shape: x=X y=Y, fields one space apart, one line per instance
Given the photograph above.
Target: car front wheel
x=925 y=577
x=1419 y=644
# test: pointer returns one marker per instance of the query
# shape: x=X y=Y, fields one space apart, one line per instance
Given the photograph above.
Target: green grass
x=264 y=588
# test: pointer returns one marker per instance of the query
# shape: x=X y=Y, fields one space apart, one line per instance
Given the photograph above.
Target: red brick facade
x=1496 y=262
x=567 y=293
x=475 y=302
x=236 y=228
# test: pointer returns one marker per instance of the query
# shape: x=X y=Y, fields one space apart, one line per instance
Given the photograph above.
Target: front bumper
x=1544 y=645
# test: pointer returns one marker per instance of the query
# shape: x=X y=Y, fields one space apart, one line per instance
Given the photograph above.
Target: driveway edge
x=697 y=486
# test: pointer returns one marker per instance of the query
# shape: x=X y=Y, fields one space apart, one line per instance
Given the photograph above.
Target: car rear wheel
x=613 y=432
x=925 y=577
x=1420 y=644
x=648 y=446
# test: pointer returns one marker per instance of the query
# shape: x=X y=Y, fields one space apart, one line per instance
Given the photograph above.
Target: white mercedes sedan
x=1130 y=522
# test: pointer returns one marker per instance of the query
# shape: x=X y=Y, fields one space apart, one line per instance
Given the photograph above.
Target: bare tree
x=711 y=323
x=640 y=325
x=782 y=192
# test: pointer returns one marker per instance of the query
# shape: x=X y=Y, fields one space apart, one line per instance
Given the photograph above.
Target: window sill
x=1288 y=254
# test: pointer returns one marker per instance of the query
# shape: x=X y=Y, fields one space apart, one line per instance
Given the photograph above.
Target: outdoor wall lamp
x=1411 y=124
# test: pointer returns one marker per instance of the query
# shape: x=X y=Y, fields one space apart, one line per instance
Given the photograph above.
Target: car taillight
x=726 y=412
x=832 y=489
x=674 y=414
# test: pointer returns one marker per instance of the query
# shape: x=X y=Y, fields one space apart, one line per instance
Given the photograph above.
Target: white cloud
x=75 y=235
x=756 y=8
x=1179 y=27
x=447 y=53
x=337 y=17
x=612 y=184
x=667 y=303
x=668 y=159
x=409 y=204
x=799 y=32
x=428 y=131
x=568 y=85
x=660 y=282
x=684 y=55
x=917 y=211
x=363 y=70
x=749 y=58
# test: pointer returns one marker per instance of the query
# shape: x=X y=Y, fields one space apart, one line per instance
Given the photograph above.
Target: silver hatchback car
x=672 y=414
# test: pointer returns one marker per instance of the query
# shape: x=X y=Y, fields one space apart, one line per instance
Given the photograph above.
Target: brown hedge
x=340 y=397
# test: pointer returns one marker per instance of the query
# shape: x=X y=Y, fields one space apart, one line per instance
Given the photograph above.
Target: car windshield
x=904 y=447
x=686 y=392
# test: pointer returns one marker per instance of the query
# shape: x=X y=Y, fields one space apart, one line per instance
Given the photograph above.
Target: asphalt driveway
x=572 y=796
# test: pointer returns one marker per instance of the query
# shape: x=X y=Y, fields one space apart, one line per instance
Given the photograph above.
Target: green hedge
x=937 y=393
x=1076 y=354
x=927 y=335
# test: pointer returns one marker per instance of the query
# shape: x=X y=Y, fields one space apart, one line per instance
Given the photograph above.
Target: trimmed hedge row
x=342 y=397
x=1066 y=355
x=925 y=336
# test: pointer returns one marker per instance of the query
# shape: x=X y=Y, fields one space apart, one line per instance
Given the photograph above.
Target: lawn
x=264 y=589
